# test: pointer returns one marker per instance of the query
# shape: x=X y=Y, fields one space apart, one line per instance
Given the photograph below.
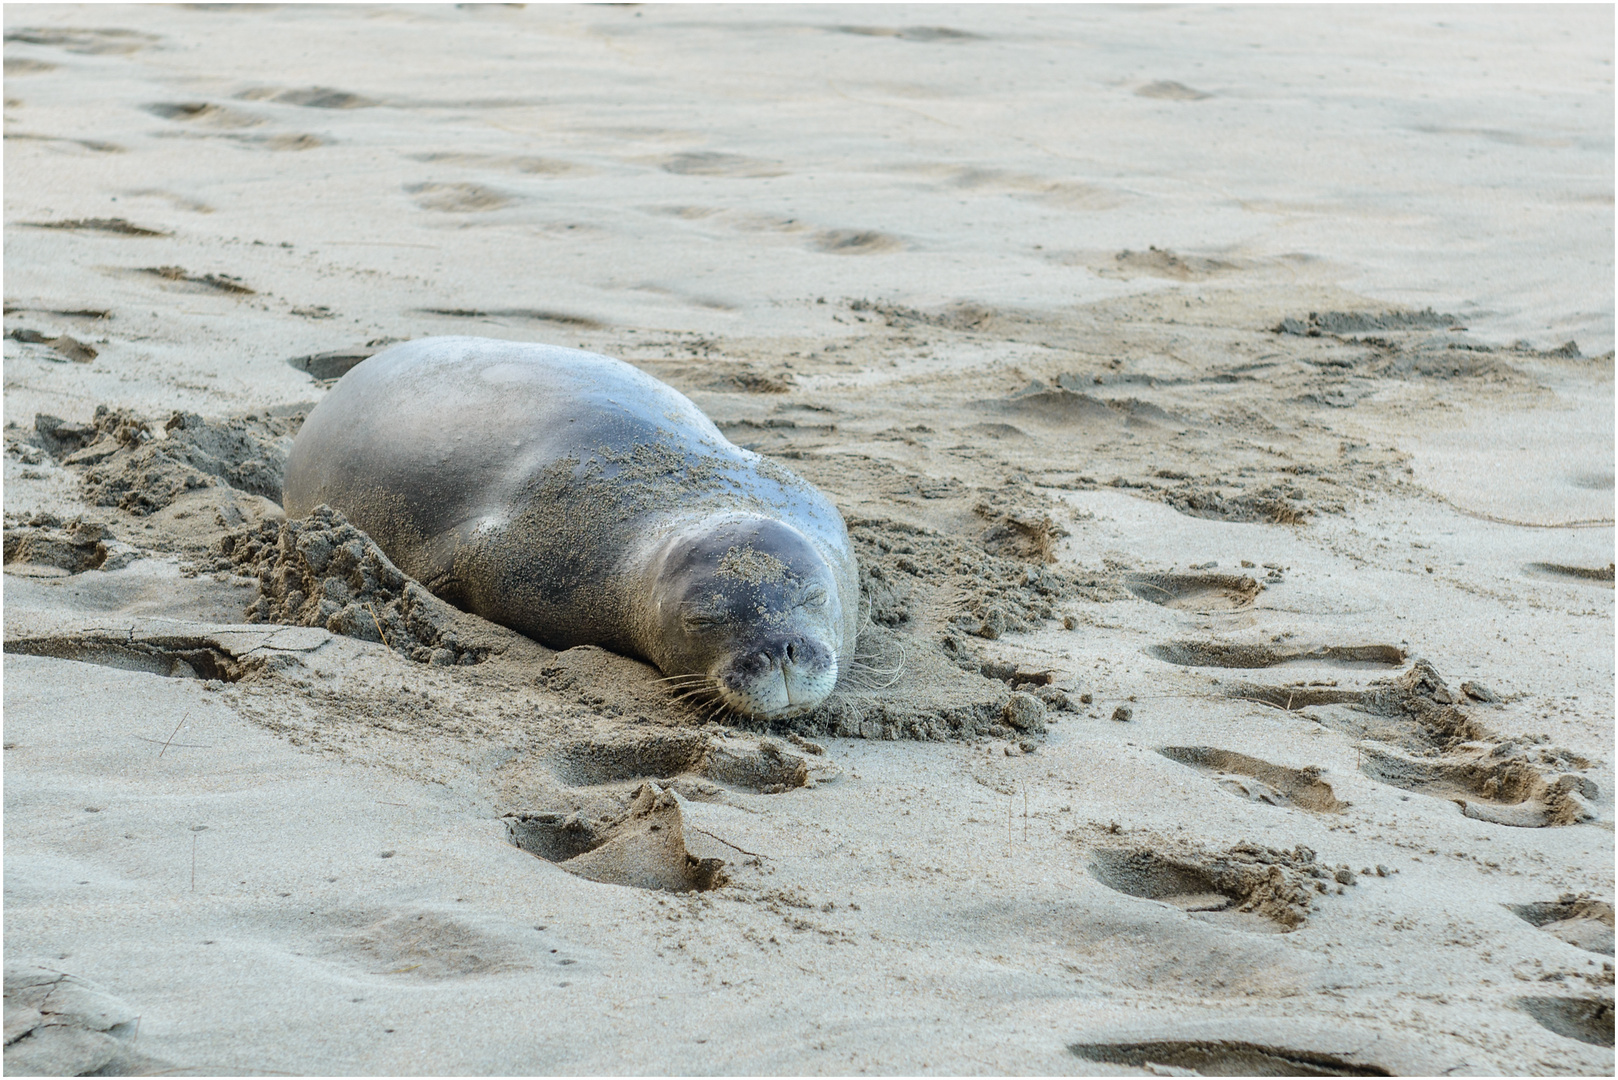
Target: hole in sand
x=332 y=365
x=173 y=658
x=1576 y=920
x=1227 y=655
x=1588 y=1020
x=1258 y=780
x=1151 y=876
x=643 y=847
x=1224 y=1058
x=1195 y=592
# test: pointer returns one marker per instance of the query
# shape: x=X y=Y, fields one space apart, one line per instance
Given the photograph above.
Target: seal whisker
x=861 y=674
x=686 y=680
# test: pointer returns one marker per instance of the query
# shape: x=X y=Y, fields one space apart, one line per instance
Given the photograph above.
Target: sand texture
x=1220 y=402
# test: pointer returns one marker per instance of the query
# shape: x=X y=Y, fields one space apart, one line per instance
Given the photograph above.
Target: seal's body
x=578 y=500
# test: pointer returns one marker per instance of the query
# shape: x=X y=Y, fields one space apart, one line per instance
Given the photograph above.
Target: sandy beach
x=1220 y=401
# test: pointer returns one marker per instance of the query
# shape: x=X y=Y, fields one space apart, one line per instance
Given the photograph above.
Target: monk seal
x=580 y=501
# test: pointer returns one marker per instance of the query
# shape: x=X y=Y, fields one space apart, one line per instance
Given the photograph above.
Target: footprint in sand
x=48 y=547
x=644 y=847
x=912 y=33
x=1589 y=1020
x=189 y=282
x=88 y=42
x=1252 y=888
x=202 y=113
x=58 y=141
x=1259 y=781
x=281 y=143
x=311 y=97
x=1222 y=654
x=430 y=946
x=1500 y=785
x=114 y=226
x=711 y=163
x=1577 y=920
x=1069 y=194
x=1168 y=90
x=1588 y=575
x=61 y=346
x=1222 y=1057
x=1163 y=263
x=220 y=657
x=855 y=242
x=560 y=318
x=458 y=198
x=530 y=166
x=1196 y=592
x=663 y=754
x=1419 y=692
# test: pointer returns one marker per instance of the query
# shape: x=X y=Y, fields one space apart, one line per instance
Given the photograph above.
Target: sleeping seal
x=580 y=501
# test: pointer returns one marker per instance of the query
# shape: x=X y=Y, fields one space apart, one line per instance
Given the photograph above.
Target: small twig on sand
x=727 y=843
x=184 y=745
x=173 y=733
x=380 y=632
x=194 y=830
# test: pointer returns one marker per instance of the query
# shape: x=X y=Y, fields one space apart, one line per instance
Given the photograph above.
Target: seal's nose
x=796 y=652
x=799 y=651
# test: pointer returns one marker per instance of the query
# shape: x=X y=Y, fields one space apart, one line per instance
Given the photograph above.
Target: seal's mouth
x=782 y=692
x=783 y=678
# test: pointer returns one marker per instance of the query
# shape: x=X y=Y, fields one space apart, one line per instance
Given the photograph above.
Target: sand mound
x=45 y=545
x=322 y=571
x=644 y=847
x=60 y=1025
x=128 y=465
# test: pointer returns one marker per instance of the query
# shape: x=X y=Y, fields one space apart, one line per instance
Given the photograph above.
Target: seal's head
x=751 y=611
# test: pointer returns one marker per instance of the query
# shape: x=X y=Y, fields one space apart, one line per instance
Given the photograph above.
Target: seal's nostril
x=792 y=652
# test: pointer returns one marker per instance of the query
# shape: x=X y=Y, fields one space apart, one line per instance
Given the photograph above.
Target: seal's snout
x=779 y=677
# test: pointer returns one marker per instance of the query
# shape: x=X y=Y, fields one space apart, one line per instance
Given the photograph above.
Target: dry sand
x=1195 y=382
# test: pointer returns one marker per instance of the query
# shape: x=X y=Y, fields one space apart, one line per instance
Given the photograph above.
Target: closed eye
x=815 y=598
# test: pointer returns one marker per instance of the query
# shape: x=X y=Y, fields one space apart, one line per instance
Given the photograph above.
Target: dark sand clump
x=322 y=571
x=127 y=464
